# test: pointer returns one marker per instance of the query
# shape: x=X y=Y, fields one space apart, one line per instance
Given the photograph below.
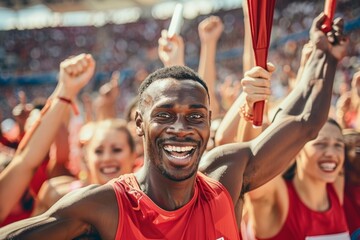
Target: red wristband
x=68 y=101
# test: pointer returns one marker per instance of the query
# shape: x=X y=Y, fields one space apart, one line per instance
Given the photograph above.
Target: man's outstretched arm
x=89 y=211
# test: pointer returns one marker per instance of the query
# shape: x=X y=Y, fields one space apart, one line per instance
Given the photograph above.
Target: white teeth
x=178 y=149
x=328 y=166
x=181 y=157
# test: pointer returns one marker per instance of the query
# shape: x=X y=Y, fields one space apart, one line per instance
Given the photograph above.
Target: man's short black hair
x=174 y=72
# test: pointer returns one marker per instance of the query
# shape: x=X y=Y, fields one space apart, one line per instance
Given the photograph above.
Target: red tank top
x=21 y=211
x=352 y=206
x=208 y=215
x=304 y=223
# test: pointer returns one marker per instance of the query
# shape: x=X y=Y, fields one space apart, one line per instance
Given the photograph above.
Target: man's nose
x=180 y=127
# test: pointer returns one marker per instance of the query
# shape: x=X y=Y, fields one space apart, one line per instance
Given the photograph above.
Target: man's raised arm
x=241 y=167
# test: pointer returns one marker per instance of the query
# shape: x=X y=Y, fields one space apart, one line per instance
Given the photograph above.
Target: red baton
x=329 y=11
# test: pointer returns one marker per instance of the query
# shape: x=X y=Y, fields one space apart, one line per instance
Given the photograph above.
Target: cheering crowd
x=183 y=159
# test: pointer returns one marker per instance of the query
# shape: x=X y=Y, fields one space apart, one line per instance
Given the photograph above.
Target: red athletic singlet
x=352 y=206
x=21 y=212
x=208 y=215
x=304 y=223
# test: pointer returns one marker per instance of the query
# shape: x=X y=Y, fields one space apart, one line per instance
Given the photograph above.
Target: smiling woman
x=352 y=181
x=310 y=193
x=108 y=152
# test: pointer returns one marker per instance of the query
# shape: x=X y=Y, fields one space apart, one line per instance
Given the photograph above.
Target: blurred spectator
x=348 y=105
x=108 y=152
x=352 y=181
x=132 y=46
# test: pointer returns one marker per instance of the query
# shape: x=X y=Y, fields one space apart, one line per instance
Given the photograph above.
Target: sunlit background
x=36 y=35
x=25 y=14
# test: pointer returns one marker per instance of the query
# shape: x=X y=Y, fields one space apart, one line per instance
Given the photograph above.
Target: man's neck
x=167 y=194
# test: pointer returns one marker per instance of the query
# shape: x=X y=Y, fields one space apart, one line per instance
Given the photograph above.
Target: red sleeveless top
x=304 y=223
x=208 y=215
x=352 y=206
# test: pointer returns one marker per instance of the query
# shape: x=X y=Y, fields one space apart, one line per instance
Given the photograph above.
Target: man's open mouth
x=179 y=152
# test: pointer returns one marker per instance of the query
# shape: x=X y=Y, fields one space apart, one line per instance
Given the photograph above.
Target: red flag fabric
x=261 y=14
x=329 y=11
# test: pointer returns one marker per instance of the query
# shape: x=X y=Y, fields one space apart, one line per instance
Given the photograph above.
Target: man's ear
x=139 y=124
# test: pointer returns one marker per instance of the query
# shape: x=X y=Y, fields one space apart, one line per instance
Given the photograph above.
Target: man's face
x=175 y=123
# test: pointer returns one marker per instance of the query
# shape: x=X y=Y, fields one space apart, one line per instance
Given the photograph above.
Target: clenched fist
x=75 y=73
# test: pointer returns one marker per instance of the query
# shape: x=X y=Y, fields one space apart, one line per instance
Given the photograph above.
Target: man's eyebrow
x=198 y=106
x=165 y=106
x=192 y=106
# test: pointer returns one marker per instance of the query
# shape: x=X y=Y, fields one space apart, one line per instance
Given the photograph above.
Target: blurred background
x=36 y=35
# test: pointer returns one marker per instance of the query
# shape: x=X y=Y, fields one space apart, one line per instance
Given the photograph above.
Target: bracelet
x=68 y=101
x=247 y=116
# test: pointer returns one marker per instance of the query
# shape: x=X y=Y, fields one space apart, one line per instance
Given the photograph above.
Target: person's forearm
x=307 y=98
x=47 y=227
x=59 y=154
x=299 y=74
x=246 y=131
x=16 y=177
x=225 y=133
x=207 y=71
x=248 y=55
x=45 y=133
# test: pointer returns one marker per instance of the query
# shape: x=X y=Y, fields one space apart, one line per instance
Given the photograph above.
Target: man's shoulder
x=124 y=181
x=215 y=163
x=209 y=183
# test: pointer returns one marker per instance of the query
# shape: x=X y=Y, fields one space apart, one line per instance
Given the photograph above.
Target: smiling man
x=168 y=198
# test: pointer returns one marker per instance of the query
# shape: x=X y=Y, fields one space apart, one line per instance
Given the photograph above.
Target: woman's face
x=108 y=155
x=322 y=158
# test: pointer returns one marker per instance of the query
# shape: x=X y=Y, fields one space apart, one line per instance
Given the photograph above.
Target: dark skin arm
x=89 y=212
x=242 y=167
